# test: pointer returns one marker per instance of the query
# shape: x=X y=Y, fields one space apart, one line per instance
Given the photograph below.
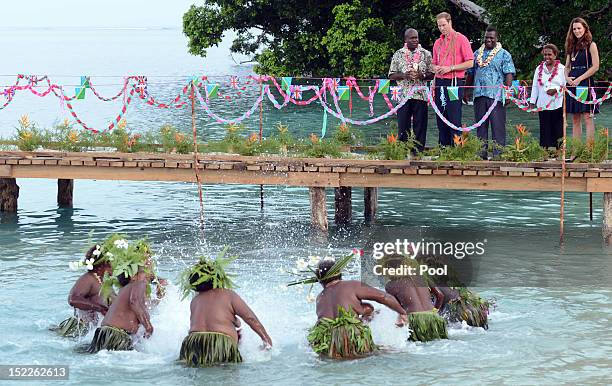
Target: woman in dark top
x=582 y=62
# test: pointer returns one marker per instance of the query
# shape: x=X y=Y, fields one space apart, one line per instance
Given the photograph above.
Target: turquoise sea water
x=551 y=324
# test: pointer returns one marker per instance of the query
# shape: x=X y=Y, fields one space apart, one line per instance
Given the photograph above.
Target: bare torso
x=212 y=311
x=217 y=310
x=412 y=293
x=85 y=298
x=350 y=294
x=125 y=310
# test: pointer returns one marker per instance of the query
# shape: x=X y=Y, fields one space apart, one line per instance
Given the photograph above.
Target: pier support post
x=370 y=200
x=64 y=193
x=9 y=193
x=343 y=201
x=607 y=219
x=318 y=208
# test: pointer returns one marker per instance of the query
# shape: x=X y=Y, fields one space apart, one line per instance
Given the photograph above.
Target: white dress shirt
x=539 y=97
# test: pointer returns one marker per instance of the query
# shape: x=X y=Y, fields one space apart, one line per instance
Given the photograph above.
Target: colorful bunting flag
x=582 y=93
x=343 y=93
x=383 y=86
x=211 y=90
x=335 y=83
x=296 y=91
x=453 y=93
x=234 y=82
x=80 y=92
x=8 y=93
x=395 y=93
x=286 y=82
x=515 y=87
x=85 y=82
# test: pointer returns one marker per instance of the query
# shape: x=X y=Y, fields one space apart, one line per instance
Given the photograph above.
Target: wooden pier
x=315 y=173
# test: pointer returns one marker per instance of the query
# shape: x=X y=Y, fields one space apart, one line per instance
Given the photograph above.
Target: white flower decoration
x=329 y=258
x=74 y=265
x=301 y=264
x=310 y=298
x=96 y=253
x=89 y=263
x=122 y=244
x=109 y=255
x=313 y=260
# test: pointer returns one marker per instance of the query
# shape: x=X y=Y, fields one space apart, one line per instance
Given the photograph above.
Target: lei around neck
x=489 y=59
x=553 y=74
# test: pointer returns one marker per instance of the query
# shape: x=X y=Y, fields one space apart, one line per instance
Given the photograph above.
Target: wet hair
x=202 y=287
x=123 y=279
x=572 y=43
x=551 y=47
x=322 y=269
x=443 y=15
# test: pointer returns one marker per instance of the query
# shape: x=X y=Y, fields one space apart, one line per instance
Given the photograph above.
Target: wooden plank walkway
x=314 y=172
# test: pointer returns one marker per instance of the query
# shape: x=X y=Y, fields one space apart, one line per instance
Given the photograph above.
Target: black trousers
x=452 y=111
x=413 y=116
x=551 y=127
x=497 y=121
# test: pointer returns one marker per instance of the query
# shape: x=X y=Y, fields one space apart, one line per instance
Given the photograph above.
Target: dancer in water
x=413 y=293
x=85 y=295
x=340 y=332
x=213 y=335
x=128 y=310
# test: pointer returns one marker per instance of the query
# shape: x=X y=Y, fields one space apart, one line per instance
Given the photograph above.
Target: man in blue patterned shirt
x=493 y=67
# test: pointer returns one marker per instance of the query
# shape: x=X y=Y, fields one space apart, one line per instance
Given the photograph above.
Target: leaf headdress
x=313 y=275
x=208 y=270
x=125 y=258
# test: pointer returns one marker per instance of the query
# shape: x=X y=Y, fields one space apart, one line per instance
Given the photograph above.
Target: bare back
x=127 y=309
x=350 y=294
x=216 y=310
x=449 y=294
x=85 y=297
x=412 y=293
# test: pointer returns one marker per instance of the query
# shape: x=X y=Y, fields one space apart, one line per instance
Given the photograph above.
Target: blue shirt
x=492 y=75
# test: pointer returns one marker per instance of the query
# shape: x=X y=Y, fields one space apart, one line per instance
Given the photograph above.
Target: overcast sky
x=97 y=13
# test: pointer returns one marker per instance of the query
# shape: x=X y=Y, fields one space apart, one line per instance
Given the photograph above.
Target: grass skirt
x=110 y=338
x=345 y=337
x=469 y=307
x=426 y=326
x=72 y=327
x=202 y=349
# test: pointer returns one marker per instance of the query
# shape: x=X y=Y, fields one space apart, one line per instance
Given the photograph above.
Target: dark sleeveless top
x=581 y=62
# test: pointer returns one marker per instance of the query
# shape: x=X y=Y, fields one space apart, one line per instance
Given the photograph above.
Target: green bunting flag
x=343 y=93
x=453 y=93
x=85 y=82
x=80 y=91
x=383 y=86
x=582 y=93
x=211 y=90
x=286 y=83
